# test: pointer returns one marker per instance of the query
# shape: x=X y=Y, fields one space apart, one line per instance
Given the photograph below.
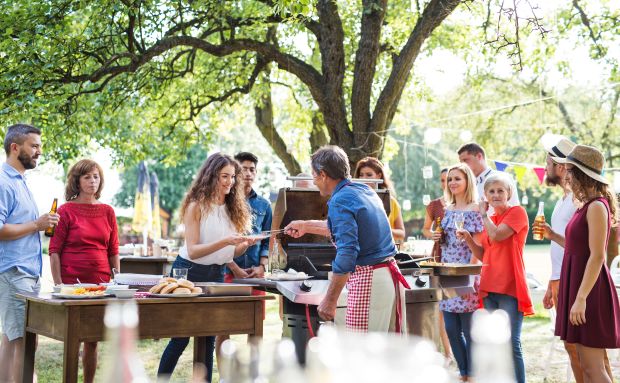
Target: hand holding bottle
x=47 y=220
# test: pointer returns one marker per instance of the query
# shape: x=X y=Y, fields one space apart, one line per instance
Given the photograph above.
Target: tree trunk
x=263 y=112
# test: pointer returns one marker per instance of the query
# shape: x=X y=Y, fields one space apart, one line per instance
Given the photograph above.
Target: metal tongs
x=273 y=232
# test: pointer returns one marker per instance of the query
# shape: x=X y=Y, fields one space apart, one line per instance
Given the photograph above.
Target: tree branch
x=586 y=22
x=434 y=14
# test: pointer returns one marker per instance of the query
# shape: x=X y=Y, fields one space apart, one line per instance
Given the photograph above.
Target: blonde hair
x=500 y=177
x=471 y=193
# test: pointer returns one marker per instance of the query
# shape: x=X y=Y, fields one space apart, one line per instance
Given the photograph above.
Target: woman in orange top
x=502 y=281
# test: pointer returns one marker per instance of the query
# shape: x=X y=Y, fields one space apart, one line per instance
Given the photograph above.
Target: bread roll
x=185 y=283
x=169 y=288
x=157 y=288
x=167 y=279
x=182 y=290
x=197 y=290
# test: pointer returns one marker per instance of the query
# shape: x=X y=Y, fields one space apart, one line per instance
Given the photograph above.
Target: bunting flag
x=519 y=172
x=540 y=173
x=142 y=216
x=501 y=166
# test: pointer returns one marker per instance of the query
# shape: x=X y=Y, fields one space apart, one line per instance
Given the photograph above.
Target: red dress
x=602 y=327
x=85 y=238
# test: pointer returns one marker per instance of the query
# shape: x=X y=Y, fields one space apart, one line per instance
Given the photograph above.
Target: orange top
x=503 y=271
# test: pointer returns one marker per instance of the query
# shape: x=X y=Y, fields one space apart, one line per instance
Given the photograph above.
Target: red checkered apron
x=358 y=301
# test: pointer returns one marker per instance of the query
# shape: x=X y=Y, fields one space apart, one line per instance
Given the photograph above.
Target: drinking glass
x=459 y=222
x=179 y=273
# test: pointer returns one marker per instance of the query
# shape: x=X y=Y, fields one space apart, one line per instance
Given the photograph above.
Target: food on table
x=170 y=285
x=89 y=291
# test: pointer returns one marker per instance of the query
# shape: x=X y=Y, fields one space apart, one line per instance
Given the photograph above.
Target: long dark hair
x=377 y=167
x=581 y=182
x=203 y=192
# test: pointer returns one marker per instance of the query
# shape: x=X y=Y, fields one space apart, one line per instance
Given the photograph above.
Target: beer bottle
x=49 y=232
x=438 y=228
x=539 y=220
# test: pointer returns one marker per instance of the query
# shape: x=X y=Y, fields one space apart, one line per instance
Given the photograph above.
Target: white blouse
x=213 y=227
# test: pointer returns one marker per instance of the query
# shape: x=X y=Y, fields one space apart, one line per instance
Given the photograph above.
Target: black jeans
x=196 y=273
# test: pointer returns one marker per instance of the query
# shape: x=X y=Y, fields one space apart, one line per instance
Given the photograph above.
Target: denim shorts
x=13 y=309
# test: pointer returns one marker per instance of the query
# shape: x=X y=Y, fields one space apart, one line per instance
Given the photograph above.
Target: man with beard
x=555 y=171
x=20 y=244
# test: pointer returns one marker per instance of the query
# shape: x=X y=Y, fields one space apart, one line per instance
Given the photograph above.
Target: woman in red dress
x=588 y=313
x=85 y=245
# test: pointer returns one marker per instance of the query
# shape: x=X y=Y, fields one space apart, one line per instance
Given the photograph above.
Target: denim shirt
x=261 y=221
x=17 y=206
x=359 y=227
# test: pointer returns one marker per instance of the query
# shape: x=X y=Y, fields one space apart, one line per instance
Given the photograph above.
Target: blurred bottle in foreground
x=491 y=350
x=122 y=364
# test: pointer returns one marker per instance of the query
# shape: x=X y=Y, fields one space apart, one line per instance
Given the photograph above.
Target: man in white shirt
x=473 y=155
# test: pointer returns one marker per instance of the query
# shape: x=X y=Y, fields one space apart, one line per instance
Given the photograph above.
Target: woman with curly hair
x=588 y=313
x=372 y=168
x=216 y=216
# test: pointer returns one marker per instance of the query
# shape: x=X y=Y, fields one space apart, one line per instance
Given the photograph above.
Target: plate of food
x=82 y=293
x=175 y=288
x=450 y=269
x=290 y=275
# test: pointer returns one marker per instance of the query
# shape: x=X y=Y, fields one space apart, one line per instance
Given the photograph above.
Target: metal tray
x=451 y=269
x=217 y=289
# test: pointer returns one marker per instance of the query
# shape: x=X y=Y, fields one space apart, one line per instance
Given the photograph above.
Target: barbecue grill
x=314 y=254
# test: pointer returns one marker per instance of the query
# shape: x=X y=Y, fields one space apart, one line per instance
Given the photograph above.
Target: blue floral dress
x=453 y=251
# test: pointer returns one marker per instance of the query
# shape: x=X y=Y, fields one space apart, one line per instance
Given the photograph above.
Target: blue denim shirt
x=17 y=206
x=359 y=227
x=261 y=221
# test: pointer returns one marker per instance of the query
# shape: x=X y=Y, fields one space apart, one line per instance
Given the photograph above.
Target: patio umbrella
x=156 y=227
x=142 y=216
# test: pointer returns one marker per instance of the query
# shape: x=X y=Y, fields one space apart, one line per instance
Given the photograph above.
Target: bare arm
x=473 y=243
x=496 y=233
x=115 y=263
x=426 y=229
x=597 y=235
x=548 y=233
x=327 y=307
x=297 y=229
x=13 y=231
x=55 y=266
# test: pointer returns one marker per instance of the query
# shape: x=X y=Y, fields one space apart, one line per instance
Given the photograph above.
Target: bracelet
x=264 y=267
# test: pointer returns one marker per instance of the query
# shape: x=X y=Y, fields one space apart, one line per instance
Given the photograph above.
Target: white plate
x=176 y=295
x=73 y=296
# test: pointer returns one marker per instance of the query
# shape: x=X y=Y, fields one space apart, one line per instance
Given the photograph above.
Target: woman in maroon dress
x=588 y=309
x=85 y=245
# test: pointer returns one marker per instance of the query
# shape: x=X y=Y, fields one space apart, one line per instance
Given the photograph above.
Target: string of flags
x=520 y=169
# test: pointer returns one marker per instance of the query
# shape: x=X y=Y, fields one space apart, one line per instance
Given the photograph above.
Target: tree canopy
x=145 y=77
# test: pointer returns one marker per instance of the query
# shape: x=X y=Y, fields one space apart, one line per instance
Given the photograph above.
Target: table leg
x=30 y=346
x=70 y=359
x=200 y=345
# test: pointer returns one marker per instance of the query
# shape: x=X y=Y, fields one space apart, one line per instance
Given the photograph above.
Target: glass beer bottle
x=49 y=232
x=539 y=220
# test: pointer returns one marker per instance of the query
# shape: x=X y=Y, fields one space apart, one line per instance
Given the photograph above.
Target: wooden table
x=75 y=321
x=144 y=265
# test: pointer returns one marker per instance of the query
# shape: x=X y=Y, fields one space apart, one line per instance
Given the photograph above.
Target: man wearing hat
x=558 y=150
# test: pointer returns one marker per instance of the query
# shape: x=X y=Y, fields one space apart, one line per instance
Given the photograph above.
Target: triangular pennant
x=519 y=172
x=540 y=173
x=501 y=166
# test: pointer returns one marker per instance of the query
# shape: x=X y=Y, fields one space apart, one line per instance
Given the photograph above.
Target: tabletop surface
x=48 y=299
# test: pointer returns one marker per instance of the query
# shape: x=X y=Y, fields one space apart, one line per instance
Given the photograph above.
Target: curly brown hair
x=82 y=167
x=203 y=192
x=377 y=166
x=581 y=182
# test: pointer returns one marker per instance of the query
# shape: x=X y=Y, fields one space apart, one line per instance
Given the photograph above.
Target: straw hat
x=589 y=160
x=559 y=148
